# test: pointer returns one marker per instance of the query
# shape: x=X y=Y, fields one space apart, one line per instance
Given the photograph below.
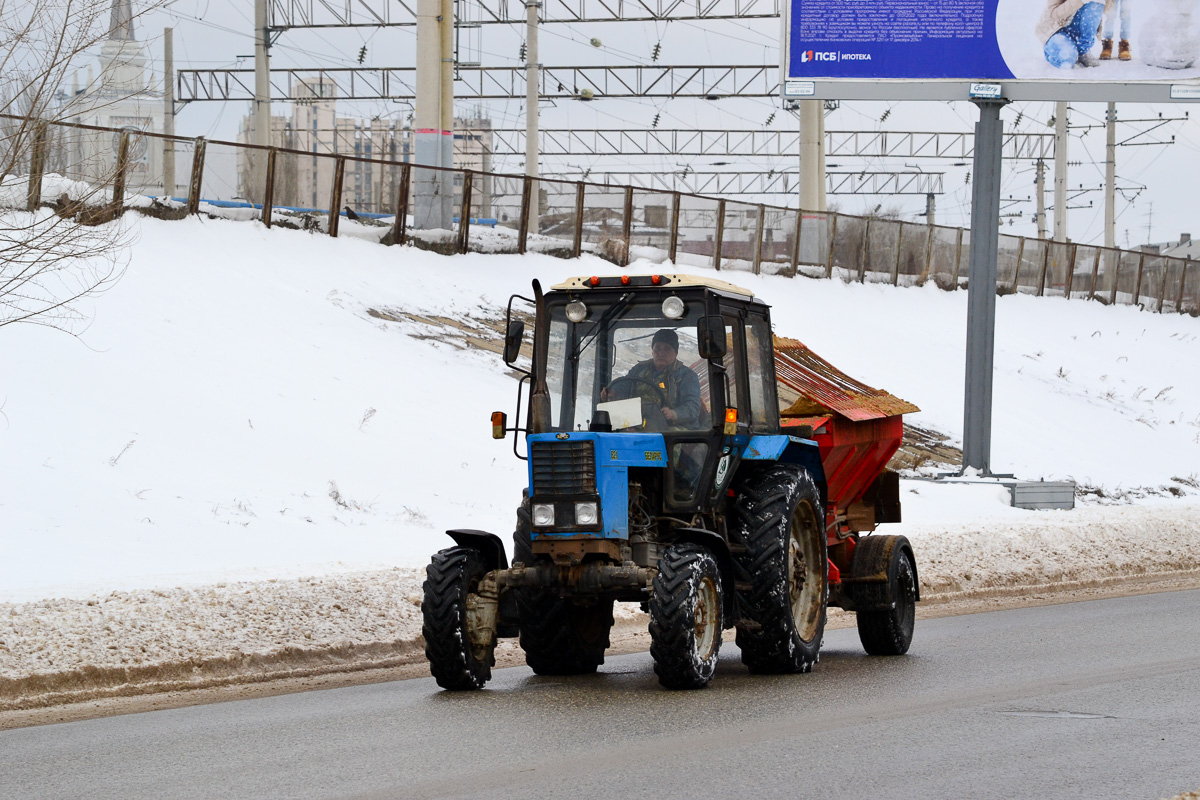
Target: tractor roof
x=673 y=280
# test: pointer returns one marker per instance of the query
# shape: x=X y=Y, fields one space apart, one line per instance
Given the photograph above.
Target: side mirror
x=512 y=340
x=710 y=336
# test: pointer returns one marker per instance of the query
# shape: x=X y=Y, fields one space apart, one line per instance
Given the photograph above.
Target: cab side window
x=760 y=354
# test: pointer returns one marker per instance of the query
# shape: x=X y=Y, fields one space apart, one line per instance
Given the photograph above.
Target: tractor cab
x=688 y=359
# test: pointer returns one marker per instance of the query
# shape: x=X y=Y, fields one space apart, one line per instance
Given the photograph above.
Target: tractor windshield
x=625 y=356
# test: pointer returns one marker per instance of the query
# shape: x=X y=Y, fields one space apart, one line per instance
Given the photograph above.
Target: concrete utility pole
x=262 y=97
x=1110 y=179
x=168 y=112
x=930 y=208
x=1040 y=183
x=1060 y=172
x=812 y=155
x=434 y=128
x=531 y=106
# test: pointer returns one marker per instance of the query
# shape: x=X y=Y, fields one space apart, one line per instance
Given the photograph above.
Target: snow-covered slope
x=236 y=411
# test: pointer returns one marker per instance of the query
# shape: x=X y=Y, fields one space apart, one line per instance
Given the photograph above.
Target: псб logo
x=817 y=55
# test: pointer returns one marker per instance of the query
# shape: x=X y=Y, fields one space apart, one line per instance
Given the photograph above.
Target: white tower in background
x=121 y=96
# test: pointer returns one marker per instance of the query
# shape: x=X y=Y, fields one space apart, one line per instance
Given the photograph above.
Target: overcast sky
x=218 y=33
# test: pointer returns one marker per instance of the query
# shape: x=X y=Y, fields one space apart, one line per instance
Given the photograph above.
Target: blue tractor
x=658 y=473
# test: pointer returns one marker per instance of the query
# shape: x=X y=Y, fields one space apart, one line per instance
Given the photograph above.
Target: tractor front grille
x=563 y=468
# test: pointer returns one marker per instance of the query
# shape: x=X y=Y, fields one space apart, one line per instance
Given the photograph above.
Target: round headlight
x=673 y=308
x=543 y=514
x=576 y=311
x=585 y=513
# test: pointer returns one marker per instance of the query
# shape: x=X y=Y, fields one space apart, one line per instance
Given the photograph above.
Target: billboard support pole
x=981 y=288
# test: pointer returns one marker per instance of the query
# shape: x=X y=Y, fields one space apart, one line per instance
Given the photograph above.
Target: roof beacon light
x=673 y=308
x=576 y=311
x=594 y=281
x=656 y=279
x=624 y=280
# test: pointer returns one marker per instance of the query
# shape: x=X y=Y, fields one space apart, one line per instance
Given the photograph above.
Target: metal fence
x=498 y=213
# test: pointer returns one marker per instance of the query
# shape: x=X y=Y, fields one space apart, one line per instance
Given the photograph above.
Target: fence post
x=720 y=235
x=196 y=182
x=464 y=214
x=400 y=227
x=1041 y=289
x=865 y=252
x=1116 y=280
x=627 y=225
x=268 y=204
x=928 y=256
x=335 y=195
x=1137 y=284
x=673 y=250
x=523 y=228
x=37 y=167
x=958 y=258
x=1162 y=287
x=796 y=243
x=899 y=250
x=832 y=240
x=118 y=195
x=1182 y=283
x=1095 y=275
x=758 y=237
x=577 y=244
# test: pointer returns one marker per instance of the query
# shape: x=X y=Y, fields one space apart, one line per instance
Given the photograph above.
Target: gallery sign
x=1118 y=50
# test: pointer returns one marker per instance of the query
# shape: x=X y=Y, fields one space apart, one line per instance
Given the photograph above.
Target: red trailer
x=858 y=429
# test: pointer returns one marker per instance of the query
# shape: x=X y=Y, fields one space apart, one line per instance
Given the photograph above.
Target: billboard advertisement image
x=1062 y=41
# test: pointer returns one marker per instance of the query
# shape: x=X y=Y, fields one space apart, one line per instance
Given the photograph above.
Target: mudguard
x=789 y=450
x=488 y=544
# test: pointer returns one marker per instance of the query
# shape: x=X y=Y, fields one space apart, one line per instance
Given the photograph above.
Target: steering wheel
x=630 y=390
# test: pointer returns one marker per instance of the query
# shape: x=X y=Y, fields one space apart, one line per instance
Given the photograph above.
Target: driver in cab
x=663 y=381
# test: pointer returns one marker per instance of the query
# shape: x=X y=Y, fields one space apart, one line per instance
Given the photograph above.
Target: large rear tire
x=781 y=522
x=450 y=580
x=685 y=617
x=558 y=636
x=888 y=611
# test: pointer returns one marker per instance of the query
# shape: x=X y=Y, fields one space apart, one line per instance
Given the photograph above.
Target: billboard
x=1034 y=49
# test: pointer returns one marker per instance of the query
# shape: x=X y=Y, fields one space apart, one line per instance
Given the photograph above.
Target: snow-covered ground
x=256 y=404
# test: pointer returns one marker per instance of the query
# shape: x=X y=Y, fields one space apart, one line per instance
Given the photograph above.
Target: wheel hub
x=706 y=617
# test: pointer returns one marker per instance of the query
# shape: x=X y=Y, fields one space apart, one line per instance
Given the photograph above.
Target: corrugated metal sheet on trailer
x=822 y=386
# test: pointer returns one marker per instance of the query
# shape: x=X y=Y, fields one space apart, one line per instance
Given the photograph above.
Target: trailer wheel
x=887 y=611
x=456 y=659
x=780 y=521
x=685 y=617
x=558 y=637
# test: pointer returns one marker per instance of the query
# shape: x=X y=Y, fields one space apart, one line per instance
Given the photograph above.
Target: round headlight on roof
x=576 y=311
x=673 y=308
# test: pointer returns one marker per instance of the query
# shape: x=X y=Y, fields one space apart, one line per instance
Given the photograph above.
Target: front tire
x=558 y=637
x=782 y=525
x=685 y=617
x=454 y=660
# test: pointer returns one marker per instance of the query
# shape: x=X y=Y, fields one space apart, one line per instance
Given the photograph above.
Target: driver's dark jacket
x=678 y=383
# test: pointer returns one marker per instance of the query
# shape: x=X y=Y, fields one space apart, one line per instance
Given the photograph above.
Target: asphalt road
x=1093 y=699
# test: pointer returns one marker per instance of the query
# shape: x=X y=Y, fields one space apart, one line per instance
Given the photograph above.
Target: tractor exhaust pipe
x=539 y=397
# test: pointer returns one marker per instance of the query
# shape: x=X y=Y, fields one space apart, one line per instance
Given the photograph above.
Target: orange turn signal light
x=499 y=423
x=730 y=415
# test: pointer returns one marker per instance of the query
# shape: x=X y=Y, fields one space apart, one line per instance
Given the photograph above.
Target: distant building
x=1184 y=248
x=315 y=127
x=122 y=97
